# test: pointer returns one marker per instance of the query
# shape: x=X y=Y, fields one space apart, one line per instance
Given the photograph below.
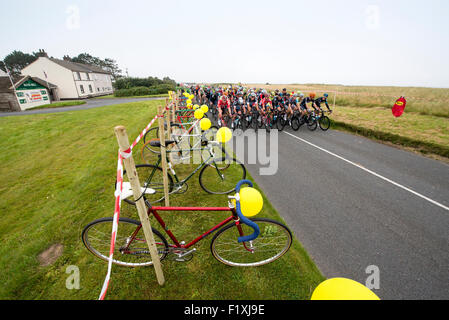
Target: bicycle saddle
x=157 y=143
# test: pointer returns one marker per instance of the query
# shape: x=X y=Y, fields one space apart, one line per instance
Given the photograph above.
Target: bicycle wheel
x=151 y=134
x=325 y=123
x=96 y=236
x=312 y=124
x=296 y=124
x=273 y=242
x=151 y=177
x=221 y=176
x=281 y=122
x=267 y=124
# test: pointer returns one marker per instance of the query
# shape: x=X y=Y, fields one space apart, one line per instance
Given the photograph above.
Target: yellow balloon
x=189 y=101
x=205 y=124
x=199 y=114
x=191 y=97
x=251 y=202
x=224 y=135
x=196 y=107
x=342 y=289
x=204 y=108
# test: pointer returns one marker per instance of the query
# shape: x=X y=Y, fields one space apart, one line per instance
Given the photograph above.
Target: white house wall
x=103 y=83
x=56 y=74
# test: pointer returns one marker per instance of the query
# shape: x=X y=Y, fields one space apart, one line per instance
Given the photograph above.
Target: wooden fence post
x=131 y=172
x=163 y=154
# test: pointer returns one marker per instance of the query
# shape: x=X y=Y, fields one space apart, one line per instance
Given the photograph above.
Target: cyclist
x=322 y=99
x=303 y=104
x=224 y=104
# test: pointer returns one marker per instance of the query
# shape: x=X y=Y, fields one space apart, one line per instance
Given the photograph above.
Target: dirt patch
x=50 y=255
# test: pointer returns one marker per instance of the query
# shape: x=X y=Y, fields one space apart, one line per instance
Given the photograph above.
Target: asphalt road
x=355 y=203
x=90 y=103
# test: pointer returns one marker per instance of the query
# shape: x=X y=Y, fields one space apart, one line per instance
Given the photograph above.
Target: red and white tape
x=115 y=220
x=118 y=200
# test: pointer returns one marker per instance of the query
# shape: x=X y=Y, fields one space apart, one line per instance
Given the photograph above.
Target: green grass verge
x=60 y=104
x=425 y=133
x=61 y=177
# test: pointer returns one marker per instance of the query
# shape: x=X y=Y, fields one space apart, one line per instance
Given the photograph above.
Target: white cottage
x=73 y=80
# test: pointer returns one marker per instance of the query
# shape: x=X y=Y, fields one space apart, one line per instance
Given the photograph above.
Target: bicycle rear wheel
x=220 y=176
x=273 y=242
x=96 y=236
x=312 y=124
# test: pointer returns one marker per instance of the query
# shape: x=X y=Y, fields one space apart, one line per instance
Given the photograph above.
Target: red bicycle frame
x=154 y=212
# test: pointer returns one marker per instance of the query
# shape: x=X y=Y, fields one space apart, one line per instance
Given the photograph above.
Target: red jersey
x=224 y=103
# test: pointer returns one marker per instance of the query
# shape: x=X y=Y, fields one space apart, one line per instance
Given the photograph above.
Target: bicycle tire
x=312 y=124
x=153 y=183
x=236 y=172
x=154 y=132
x=121 y=237
x=296 y=124
x=325 y=123
x=269 y=229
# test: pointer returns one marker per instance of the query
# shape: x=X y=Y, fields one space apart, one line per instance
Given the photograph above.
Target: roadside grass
x=424 y=133
x=59 y=104
x=62 y=177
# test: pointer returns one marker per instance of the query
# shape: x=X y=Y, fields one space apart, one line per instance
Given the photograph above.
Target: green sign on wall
x=30 y=84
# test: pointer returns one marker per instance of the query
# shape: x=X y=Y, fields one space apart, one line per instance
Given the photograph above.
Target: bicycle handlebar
x=244 y=219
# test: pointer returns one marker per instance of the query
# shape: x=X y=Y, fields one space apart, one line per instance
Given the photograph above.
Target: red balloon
x=399 y=107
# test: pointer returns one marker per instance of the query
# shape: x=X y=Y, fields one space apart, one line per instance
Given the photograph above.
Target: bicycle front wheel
x=273 y=242
x=131 y=249
x=220 y=176
x=325 y=123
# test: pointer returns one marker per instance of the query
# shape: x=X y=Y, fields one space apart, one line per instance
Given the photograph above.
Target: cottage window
x=82 y=88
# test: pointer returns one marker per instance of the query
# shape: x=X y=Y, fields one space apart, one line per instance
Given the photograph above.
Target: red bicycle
x=239 y=241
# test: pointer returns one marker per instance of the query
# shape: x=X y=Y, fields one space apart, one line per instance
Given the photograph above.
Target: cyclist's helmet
x=326 y=95
x=312 y=95
x=301 y=95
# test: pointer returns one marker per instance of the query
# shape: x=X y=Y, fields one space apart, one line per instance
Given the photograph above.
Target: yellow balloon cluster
x=223 y=135
x=205 y=124
x=342 y=289
x=199 y=114
x=204 y=108
x=251 y=202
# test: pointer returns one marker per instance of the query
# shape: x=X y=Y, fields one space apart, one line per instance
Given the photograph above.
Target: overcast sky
x=352 y=42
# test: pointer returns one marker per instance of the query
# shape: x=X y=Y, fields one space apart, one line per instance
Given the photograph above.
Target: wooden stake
x=131 y=172
x=163 y=154
x=335 y=98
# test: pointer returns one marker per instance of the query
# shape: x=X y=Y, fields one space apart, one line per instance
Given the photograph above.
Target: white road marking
x=372 y=172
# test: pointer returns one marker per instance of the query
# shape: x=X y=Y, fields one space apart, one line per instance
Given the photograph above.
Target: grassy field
x=111 y=96
x=60 y=104
x=424 y=127
x=59 y=178
x=425 y=101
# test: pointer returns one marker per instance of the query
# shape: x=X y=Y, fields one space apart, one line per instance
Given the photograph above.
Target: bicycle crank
x=180 y=255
